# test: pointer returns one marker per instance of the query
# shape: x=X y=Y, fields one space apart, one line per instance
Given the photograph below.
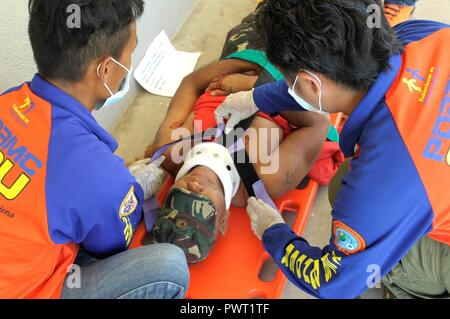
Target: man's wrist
x=272 y=226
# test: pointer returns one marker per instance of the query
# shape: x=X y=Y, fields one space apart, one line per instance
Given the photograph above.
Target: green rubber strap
x=260 y=58
x=333 y=134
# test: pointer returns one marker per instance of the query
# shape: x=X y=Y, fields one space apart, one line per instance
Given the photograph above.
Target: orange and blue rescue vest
x=398 y=188
x=61 y=186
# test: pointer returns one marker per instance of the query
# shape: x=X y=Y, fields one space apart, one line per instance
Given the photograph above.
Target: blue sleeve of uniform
x=330 y=273
x=274 y=97
x=415 y=30
x=382 y=209
x=92 y=199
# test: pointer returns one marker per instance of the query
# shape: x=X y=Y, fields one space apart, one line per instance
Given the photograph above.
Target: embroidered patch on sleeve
x=346 y=239
x=128 y=207
x=129 y=204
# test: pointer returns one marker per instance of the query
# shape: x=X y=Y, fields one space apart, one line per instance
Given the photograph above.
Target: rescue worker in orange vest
x=61 y=186
x=391 y=215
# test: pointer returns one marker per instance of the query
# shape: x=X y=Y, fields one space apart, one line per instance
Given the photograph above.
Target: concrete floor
x=205 y=31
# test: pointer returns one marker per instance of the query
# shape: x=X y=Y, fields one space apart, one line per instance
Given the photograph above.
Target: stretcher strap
x=261 y=193
x=252 y=183
x=151 y=212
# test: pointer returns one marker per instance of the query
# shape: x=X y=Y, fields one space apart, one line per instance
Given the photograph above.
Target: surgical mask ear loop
x=293 y=86
x=320 y=86
x=104 y=83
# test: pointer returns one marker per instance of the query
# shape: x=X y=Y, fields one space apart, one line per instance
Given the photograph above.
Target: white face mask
x=302 y=102
x=123 y=90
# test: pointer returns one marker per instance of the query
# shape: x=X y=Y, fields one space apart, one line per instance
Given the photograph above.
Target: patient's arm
x=296 y=154
x=192 y=87
x=225 y=85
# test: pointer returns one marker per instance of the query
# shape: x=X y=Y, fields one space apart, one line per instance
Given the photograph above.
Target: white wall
x=16 y=58
x=168 y=15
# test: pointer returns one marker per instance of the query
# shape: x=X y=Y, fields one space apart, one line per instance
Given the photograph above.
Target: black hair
x=331 y=37
x=64 y=51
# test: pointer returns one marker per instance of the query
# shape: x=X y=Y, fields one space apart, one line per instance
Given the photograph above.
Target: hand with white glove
x=149 y=176
x=262 y=216
x=236 y=108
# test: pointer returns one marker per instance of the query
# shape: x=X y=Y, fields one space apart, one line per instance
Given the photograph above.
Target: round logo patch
x=346 y=239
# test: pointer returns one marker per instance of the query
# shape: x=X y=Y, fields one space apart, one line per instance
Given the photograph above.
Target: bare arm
x=296 y=154
x=191 y=88
x=196 y=83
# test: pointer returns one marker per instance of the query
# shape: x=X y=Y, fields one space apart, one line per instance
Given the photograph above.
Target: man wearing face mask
x=393 y=204
x=69 y=205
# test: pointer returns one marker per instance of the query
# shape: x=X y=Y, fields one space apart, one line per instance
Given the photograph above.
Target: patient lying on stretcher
x=282 y=149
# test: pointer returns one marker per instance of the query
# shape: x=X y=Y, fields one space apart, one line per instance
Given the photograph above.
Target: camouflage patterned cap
x=187 y=220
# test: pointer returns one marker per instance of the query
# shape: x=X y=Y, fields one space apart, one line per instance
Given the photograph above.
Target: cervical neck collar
x=217 y=158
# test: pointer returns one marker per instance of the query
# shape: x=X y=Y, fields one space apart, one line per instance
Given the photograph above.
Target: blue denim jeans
x=401 y=2
x=151 y=272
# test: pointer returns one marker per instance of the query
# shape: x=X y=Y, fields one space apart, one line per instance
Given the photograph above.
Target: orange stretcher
x=233 y=268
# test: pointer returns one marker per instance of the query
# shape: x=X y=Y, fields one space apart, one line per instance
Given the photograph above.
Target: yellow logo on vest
x=412 y=85
x=416 y=83
x=15 y=156
x=13 y=190
x=21 y=111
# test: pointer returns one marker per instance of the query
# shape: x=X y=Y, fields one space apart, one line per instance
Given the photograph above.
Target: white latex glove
x=236 y=108
x=262 y=216
x=149 y=176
